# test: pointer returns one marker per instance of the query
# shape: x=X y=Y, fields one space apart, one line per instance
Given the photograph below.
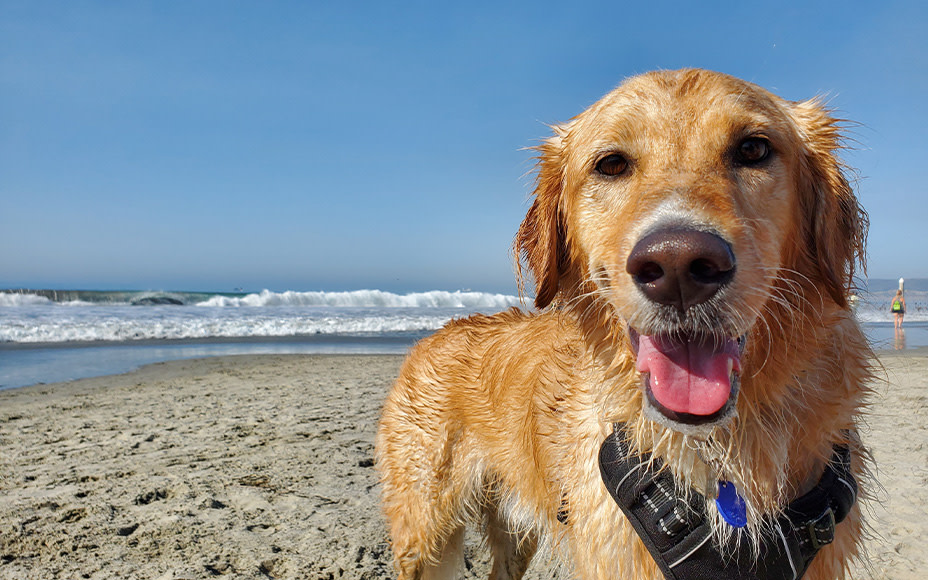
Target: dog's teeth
x=731 y=365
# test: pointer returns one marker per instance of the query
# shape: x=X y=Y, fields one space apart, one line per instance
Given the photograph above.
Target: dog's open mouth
x=689 y=379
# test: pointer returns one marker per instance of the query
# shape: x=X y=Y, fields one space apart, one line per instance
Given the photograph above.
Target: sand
x=262 y=467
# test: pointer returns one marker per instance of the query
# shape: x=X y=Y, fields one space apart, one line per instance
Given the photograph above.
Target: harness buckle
x=822 y=530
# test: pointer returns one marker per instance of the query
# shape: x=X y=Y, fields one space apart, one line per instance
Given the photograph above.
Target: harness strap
x=678 y=534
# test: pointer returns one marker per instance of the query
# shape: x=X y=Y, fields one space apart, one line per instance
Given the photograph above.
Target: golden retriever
x=693 y=241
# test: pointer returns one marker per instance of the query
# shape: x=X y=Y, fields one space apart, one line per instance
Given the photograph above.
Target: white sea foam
x=368 y=299
x=267 y=298
x=181 y=323
x=13 y=300
x=68 y=316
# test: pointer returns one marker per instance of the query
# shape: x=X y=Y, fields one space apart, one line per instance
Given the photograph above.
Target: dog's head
x=695 y=205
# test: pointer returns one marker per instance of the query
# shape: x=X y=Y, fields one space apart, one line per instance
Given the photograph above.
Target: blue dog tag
x=731 y=505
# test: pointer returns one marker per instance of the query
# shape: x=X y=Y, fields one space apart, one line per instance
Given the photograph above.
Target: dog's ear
x=540 y=240
x=834 y=223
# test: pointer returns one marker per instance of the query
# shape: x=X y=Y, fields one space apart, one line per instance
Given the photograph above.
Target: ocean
x=58 y=335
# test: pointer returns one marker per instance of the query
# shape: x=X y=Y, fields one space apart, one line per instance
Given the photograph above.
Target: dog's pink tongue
x=689 y=377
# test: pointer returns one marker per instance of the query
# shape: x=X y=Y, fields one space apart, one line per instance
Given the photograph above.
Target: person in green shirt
x=898 y=309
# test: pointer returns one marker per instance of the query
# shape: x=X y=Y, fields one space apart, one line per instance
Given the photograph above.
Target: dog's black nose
x=681 y=267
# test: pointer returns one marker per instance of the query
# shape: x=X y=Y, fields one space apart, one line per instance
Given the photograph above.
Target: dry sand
x=262 y=467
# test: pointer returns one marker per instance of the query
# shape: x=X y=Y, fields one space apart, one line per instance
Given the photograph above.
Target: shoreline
x=257 y=466
x=372 y=338
x=23 y=365
x=26 y=363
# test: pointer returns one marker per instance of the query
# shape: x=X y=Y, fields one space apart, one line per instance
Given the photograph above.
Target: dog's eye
x=612 y=165
x=753 y=150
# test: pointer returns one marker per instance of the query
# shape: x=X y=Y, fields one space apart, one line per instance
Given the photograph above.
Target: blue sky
x=210 y=145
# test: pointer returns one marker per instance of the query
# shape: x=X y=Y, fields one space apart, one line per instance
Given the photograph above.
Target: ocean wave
x=190 y=326
x=368 y=299
x=14 y=300
x=62 y=317
x=265 y=298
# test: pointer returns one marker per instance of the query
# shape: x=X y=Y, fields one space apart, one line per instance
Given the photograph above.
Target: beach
x=261 y=466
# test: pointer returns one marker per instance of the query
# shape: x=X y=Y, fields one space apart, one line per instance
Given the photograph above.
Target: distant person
x=898 y=309
x=853 y=301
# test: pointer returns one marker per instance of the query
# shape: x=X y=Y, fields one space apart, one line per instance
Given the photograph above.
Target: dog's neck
x=682 y=550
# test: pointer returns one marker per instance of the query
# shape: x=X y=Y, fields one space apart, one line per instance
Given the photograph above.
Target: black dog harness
x=678 y=534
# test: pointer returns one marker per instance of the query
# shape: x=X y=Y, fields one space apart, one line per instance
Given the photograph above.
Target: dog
x=693 y=241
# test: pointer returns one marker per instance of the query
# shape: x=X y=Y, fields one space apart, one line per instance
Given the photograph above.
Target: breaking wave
x=368 y=299
x=71 y=316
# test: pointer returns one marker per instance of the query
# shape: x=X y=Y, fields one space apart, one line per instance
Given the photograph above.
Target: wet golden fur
x=500 y=418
